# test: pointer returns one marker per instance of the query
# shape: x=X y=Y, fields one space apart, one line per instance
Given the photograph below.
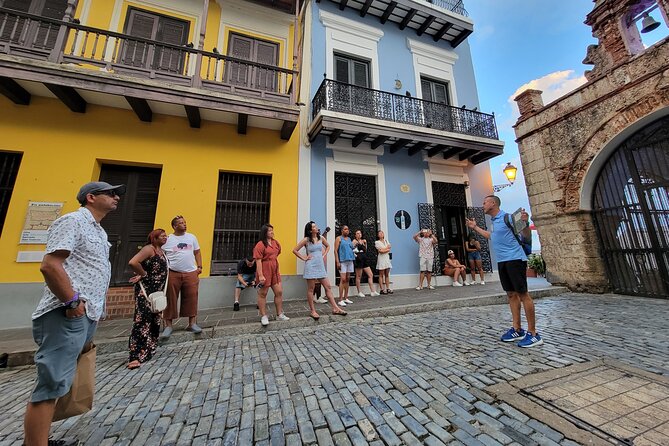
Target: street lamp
x=510 y=172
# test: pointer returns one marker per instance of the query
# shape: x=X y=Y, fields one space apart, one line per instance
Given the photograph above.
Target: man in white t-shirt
x=426 y=241
x=183 y=254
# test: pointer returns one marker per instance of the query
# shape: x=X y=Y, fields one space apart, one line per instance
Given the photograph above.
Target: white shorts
x=426 y=264
x=347 y=267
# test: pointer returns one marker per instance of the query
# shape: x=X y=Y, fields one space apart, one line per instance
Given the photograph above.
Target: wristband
x=74 y=298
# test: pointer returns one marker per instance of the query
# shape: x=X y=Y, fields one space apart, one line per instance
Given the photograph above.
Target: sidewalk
x=112 y=335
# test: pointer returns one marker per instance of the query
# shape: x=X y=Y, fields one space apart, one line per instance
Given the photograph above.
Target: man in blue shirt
x=512 y=267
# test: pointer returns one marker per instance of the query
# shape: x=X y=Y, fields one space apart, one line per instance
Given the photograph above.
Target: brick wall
x=120 y=302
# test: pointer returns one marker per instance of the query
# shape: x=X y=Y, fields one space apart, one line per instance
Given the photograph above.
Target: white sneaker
x=431 y=287
x=282 y=317
x=322 y=300
x=348 y=301
x=467 y=282
x=361 y=294
x=482 y=283
x=341 y=303
x=457 y=284
x=264 y=321
x=374 y=294
x=418 y=288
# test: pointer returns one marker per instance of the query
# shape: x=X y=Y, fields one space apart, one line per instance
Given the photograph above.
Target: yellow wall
x=62 y=150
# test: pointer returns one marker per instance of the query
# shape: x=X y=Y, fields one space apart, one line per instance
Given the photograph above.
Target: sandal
x=317 y=317
x=134 y=364
x=384 y=292
x=339 y=313
x=390 y=291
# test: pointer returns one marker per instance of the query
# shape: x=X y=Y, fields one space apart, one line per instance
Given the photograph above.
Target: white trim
x=453 y=172
x=433 y=62
x=350 y=163
x=353 y=38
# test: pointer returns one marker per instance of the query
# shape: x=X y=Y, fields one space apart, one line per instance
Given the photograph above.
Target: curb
x=116 y=345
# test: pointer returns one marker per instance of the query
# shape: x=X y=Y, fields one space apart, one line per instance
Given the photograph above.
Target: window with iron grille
x=242 y=207
x=9 y=169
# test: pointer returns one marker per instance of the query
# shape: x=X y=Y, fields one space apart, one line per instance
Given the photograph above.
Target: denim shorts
x=248 y=278
x=60 y=340
x=476 y=255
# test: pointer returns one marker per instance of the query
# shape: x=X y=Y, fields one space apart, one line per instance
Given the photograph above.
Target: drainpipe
x=197 y=77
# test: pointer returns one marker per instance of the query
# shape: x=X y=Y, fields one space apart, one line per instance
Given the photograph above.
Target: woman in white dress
x=383 y=262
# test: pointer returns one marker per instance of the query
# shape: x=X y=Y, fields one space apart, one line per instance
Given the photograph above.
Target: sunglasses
x=111 y=193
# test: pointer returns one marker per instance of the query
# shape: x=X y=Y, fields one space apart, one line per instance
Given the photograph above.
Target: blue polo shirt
x=503 y=242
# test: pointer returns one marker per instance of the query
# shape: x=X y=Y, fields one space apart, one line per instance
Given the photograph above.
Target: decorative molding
x=349 y=27
x=439 y=55
x=434 y=62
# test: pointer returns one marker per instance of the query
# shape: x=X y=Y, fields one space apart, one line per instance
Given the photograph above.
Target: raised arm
x=471 y=224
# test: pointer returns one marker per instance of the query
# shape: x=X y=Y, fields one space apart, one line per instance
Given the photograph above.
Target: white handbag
x=158 y=299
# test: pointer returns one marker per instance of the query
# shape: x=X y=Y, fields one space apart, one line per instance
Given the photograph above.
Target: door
x=436 y=112
x=253 y=50
x=32 y=34
x=450 y=205
x=128 y=226
x=355 y=207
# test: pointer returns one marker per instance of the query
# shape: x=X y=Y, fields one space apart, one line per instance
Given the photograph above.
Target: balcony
x=79 y=64
x=364 y=115
x=443 y=20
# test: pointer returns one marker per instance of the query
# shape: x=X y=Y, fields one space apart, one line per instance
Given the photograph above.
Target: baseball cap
x=450 y=251
x=98 y=186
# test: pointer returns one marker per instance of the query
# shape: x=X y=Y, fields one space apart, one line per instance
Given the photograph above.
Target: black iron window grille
x=361 y=101
x=9 y=169
x=242 y=207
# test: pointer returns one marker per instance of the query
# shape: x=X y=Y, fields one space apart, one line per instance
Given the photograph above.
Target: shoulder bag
x=158 y=299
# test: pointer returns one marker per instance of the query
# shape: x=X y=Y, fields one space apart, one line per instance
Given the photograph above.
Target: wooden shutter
x=47 y=33
x=174 y=32
x=341 y=69
x=361 y=74
x=426 y=90
x=440 y=93
x=11 y=26
x=266 y=53
x=139 y=24
x=239 y=47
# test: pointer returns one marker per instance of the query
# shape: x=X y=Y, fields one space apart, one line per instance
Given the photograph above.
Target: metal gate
x=631 y=213
x=355 y=207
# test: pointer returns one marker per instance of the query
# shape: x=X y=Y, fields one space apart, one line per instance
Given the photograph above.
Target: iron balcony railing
x=346 y=98
x=456 y=6
x=69 y=42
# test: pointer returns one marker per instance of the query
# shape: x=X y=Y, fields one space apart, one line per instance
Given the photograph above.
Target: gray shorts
x=60 y=342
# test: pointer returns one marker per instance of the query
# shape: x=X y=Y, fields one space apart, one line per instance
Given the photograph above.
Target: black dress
x=146 y=324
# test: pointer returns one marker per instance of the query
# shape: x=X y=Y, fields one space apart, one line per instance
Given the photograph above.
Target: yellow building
x=191 y=103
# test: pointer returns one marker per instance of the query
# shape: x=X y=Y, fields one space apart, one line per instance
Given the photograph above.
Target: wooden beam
x=359 y=138
x=444 y=29
x=452 y=152
x=407 y=18
x=242 y=123
x=467 y=153
x=14 y=92
x=69 y=97
x=388 y=11
x=334 y=135
x=141 y=108
x=483 y=156
x=418 y=147
x=379 y=140
x=342 y=4
x=287 y=129
x=435 y=150
x=426 y=24
x=193 y=114
x=365 y=8
x=461 y=38
x=399 y=144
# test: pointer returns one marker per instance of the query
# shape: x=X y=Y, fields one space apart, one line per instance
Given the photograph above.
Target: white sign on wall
x=40 y=215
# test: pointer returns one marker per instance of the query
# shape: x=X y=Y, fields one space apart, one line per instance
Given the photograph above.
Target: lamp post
x=510 y=172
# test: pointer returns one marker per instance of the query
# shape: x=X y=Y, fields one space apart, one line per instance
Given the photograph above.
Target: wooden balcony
x=78 y=63
x=361 y=114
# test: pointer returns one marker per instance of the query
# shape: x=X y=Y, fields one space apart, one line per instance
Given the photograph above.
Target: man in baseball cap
x=97 y=188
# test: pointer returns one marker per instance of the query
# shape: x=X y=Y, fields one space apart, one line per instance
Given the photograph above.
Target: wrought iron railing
x=346 y=98
x=69 y=42
x=456 y=6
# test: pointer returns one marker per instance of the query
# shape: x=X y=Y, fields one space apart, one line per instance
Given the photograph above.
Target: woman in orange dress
x=266 y=252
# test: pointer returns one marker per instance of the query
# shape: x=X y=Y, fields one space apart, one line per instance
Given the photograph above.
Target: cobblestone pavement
x=414 y=379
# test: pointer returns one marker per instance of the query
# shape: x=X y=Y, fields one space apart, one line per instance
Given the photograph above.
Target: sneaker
x=348 y=301
x=264 y=321
x=430 y=287
x=322 y=300
x=341 y=303
x=361 y=294
x=457 y=284
x=512 y=335
x=194 y=328
x=418 y=288
x=467 y=282
x=482 y=283
x=531 y=341
x=235 y=307
x=167 y=332
x=64 y=442
x=374 y=294
x=282 y=317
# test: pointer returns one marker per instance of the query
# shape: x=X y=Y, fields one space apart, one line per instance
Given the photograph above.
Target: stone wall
x=559 y=142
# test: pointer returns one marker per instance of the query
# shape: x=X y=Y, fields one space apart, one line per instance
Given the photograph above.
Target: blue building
x=394 y=140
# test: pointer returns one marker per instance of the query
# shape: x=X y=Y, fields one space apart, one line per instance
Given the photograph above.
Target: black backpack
x=525 y=244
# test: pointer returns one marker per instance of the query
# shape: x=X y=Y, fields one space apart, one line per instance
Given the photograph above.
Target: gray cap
x=98 y=186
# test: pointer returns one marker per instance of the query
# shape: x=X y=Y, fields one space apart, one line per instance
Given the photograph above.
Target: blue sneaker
x=512 y=335
x=531 y=341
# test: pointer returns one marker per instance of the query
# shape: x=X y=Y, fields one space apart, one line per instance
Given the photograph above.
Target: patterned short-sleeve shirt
x=425 y=248
x=87 y=265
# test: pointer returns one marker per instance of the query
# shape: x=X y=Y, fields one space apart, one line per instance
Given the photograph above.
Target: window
x=151 y=26
x=254 y=50
x=32 y=34
x=435 y=91
x=353 y=94
x=352 y=71
x=435 y=114
x=9 y=169
x=242 y=207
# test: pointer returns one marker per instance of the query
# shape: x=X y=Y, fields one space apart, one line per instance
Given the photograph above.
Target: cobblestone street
x=414 y=379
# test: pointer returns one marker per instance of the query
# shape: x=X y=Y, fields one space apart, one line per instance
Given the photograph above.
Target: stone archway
x=630 y=208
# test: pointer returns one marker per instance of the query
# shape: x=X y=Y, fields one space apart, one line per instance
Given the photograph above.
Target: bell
x=648 y=24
